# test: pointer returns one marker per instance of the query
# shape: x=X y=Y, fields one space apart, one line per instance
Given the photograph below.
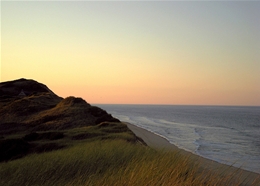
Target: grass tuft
x=109 y=162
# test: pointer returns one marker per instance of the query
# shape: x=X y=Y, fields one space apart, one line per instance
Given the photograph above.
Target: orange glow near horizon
x=165 y=53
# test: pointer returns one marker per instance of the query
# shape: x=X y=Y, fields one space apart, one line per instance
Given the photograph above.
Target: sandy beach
x=158 y=142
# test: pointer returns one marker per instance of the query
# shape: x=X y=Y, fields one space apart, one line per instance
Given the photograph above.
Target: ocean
x=226 y=134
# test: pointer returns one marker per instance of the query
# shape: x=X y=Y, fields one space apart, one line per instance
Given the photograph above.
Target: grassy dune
x=47 y=140
x=107 y=162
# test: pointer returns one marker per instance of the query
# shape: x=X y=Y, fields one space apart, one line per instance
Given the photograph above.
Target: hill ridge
x=42 y=109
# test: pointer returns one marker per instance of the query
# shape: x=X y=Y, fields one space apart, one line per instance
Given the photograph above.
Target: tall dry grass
x=111 y=162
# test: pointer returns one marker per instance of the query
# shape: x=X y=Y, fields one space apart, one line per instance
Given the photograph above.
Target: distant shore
x=158 y=142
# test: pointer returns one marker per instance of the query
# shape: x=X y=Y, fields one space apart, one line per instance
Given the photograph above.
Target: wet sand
x=158 y=142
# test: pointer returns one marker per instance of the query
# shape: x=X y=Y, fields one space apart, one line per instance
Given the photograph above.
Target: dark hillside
x=33 y=119
x=38 y=108
x=30 y=87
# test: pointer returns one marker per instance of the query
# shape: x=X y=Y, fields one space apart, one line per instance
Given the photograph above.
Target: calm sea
x=226 y=134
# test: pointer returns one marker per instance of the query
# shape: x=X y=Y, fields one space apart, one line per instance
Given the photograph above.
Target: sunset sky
x=132 y=52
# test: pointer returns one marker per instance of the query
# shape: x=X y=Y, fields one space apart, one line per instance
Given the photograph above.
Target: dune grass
x=107 y=162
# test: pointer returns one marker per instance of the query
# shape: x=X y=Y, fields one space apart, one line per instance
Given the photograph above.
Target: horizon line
x=153 y=104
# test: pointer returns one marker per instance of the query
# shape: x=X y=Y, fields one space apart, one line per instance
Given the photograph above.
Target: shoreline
x=158 y=142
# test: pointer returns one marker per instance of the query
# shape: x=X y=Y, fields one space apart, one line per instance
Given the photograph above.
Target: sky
x=136 y=52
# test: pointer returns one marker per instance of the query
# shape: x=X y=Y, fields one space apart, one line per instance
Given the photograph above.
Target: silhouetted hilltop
x=29 y=87
x=38 y=108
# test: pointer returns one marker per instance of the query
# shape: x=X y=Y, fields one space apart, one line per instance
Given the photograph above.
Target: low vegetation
x=21 y=144
x=107 y=162
x=48 y=140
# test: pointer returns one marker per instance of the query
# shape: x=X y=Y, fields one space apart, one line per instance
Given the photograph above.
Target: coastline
x=157 y=142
